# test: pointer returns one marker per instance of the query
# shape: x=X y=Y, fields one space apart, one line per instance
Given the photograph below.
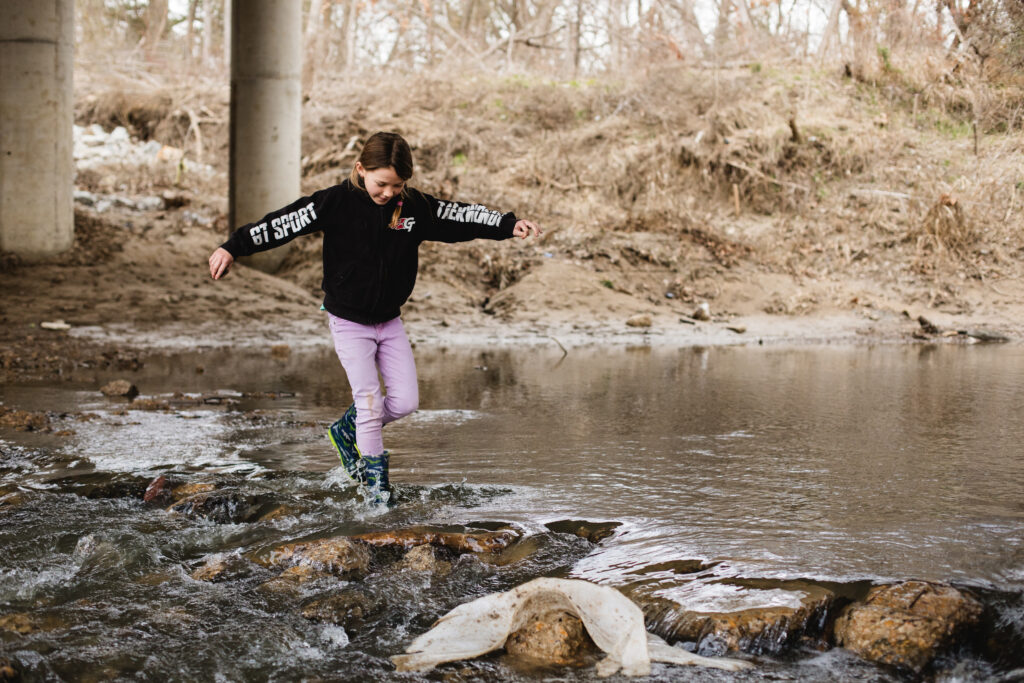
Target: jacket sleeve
x=301 y=217
x=461 y=222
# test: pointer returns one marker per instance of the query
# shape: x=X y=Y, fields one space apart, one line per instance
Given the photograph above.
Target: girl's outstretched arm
x=220 y=263
x=525 y=228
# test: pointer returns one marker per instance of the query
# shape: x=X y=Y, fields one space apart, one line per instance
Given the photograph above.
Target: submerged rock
x=291 y=579
x=339 y=556
x=758 y=630
x=595 y=532
x=24 y=623
x=614 y=623
x=472 y=542
x=223 y=507
x=424 y=558
x=221 y=567
x=346 y=608
x=907 y=624
x=9 y=670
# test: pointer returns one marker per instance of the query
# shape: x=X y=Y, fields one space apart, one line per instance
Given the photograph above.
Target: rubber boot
x=376 y=474
x=343 y=435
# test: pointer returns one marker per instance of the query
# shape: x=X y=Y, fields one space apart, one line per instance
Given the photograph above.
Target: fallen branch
x=755 y=172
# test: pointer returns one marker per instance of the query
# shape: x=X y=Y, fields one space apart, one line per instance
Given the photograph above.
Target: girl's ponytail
x=396 y=214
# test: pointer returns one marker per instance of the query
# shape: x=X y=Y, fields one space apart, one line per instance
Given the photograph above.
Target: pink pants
x=363 y=350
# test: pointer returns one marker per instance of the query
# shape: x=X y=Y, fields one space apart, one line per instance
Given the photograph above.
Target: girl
x=373 y=224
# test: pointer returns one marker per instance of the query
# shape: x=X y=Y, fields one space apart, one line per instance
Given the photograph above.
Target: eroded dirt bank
x=799 y=206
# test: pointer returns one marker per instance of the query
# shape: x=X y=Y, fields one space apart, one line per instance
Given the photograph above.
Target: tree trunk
x=831 y=29
x=314 y=43
x=156 y=23
x=574 y=39
x=189 y=31
x=228 y=9
x=207 y=30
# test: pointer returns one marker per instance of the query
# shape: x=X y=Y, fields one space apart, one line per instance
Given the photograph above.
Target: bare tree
x=156 y=23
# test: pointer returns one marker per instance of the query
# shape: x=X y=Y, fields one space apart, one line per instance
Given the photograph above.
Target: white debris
x=614 y=622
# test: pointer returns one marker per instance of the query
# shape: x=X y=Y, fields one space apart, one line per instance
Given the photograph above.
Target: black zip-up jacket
x=369 y=268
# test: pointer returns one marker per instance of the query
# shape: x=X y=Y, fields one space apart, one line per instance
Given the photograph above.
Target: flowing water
x=756 y=468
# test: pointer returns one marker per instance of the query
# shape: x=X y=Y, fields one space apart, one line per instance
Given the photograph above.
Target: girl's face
x=381 y=183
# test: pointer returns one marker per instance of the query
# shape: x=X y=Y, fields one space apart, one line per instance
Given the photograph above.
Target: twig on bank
x=564 y=352
x=755 y=172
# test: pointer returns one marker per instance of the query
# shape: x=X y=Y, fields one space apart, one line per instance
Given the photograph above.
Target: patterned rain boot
x=376 y=474
x=343 y=435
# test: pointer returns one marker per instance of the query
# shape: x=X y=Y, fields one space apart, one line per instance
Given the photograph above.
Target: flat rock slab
x=468 y=542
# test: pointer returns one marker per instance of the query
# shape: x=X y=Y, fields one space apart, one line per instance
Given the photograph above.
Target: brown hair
x=381 y=151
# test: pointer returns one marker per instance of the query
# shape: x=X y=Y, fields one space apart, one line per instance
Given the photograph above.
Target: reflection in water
x=835 y=464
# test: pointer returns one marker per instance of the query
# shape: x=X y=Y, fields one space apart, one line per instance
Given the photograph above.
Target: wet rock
x=23 y=623
x=423 y=558
x=595 y=532
x=182 y=491
x=23 y=420
x=291 y=580
x=223 y=507
x=278 y=512
x=758 y=630
x=469 y=542
x=346 y=608
x=104 y=485
x=552 y=638
x=9 y=670
x=906 y=625
x=338 y=556
x=158 y=491
x=120 y=387
x=639 y=320
x=12 y=499
x=221 y=567
x=516 y=553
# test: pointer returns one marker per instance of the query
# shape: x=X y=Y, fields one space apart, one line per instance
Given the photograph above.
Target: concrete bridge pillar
x=266 y=109
x=36 y=115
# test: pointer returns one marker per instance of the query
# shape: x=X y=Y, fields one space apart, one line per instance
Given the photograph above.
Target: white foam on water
x=452 y=416
x=699 y=596
x=334 y=635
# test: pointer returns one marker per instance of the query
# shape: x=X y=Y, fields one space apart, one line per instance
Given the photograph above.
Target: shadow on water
x=718 y=488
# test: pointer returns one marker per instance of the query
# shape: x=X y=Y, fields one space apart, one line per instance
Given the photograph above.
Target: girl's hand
x=524 y=229
x=220 y=262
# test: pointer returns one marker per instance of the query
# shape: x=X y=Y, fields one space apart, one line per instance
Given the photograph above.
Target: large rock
x=552 y=638
x=758 y=630
x=339 y=556
x=469 y=542
x=907 y=624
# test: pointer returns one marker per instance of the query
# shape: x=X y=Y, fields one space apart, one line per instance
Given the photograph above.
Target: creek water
x=841 y=466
